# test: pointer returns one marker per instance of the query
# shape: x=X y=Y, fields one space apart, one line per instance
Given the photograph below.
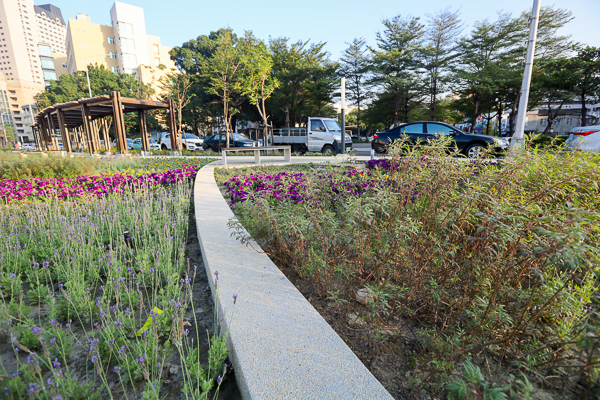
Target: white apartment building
x=30 y=38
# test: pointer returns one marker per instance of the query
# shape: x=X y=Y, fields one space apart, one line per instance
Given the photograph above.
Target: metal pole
x=88 y=80
x=343 y=106
x=519 y=135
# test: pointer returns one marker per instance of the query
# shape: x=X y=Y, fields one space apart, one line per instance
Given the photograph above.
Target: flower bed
x=106 y=298
x=435 y=269
x=12 y=190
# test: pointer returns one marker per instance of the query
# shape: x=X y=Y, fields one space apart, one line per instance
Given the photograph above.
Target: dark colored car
x=219 y=141
x=471 y=145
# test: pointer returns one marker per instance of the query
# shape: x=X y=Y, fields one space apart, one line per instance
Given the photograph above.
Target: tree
x=438 y=52
x=293 y=66
x=319 y=86
x=191 y=57
x=176 y=86
x=102 y=81
x=584 y=74
x=258 y=82
x=225 y=70
x=552 y=79
x=394 y=62
x=355 y=67
x=485 y=57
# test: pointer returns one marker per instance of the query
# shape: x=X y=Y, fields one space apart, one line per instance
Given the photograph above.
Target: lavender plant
x=102 y=286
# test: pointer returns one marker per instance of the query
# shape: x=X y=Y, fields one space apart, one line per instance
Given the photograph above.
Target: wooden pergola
x=84 y=123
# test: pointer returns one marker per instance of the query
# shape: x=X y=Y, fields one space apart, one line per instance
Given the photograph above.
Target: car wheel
x=474 y=151
x=163 y=147
x=328 y=150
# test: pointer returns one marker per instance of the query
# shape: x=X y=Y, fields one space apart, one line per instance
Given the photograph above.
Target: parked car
x=471 y=145
x=129 y=143
x=137 y=144
x=219 y=141
x=29 y=147
x=584 y=138
x=188 y=141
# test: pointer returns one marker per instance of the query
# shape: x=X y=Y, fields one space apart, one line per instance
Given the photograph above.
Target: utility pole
x=519 y=135
x=343 y=107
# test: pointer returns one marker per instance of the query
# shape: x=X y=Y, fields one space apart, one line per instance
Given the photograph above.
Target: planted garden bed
x=104 y=293
x=445 y=276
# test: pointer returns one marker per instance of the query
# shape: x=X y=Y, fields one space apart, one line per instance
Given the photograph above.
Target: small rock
x=364 y=296
x=174 y=370
x=355 y=319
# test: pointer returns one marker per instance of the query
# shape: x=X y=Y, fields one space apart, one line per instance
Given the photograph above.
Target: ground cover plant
x=131 y=174
x=448 y=277
x=106 y=297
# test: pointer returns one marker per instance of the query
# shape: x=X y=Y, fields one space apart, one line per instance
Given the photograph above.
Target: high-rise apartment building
x=123 y=46
x=31 y=38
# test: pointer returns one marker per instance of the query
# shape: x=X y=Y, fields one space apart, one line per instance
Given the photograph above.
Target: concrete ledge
x=280 y=347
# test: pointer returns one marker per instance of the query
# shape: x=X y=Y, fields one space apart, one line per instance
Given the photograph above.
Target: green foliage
x=498 y=260
x=472 y=385
x=73 y=87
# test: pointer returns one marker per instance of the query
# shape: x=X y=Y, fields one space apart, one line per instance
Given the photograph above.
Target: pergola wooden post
x=173 y=126
x=105 y=133
x=87 y=128
x=144 y=130
x=47 y=135
x=64 y=132
x=119 y=122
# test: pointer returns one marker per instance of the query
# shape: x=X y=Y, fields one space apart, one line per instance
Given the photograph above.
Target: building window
x=128 y=71
x=127 y=44
x=113 y=55
x=49 y=75
x=111 y=40
x=156 y=50
x=48 y=64
x=125 y=28
x=45 y=51
x=129 y=59
x=157 y=61
x=115 y=70
x=64 y=65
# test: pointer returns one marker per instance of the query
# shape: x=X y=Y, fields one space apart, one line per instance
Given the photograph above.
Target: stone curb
x=280 y=347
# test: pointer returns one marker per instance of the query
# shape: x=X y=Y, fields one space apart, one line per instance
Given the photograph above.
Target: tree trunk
x=287 y=116
x=396 y=107
x=583 y=110
x=432 y=99
x=474 y=117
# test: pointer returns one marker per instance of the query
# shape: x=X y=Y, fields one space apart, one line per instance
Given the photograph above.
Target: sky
x=334 y=22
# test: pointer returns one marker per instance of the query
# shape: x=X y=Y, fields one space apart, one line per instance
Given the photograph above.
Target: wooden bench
x=287 y=152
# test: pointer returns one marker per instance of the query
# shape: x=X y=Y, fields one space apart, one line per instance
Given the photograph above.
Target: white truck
x=322 y=134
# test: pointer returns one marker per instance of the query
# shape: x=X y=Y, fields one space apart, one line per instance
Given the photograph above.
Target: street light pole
x=519 y=135
x=343 y=107
x=87 y=75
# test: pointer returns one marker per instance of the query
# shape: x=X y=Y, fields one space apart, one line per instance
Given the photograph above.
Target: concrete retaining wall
x=280 y=347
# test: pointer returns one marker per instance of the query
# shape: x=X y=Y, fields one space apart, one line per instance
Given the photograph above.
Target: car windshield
x=190 y=136
x=332 y=125
x=239 y=136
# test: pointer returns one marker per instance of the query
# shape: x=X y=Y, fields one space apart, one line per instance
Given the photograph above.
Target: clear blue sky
x=334 y=22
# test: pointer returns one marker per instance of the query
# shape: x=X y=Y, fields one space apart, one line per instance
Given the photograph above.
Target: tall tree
x=394 y=60
x=258 y=82
x=438 y=52
x=584 y=73
x=176 y=86
x=320 y=85
x=489 y=50
x=225 y=70
x=293 y=65
x=355 y=67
